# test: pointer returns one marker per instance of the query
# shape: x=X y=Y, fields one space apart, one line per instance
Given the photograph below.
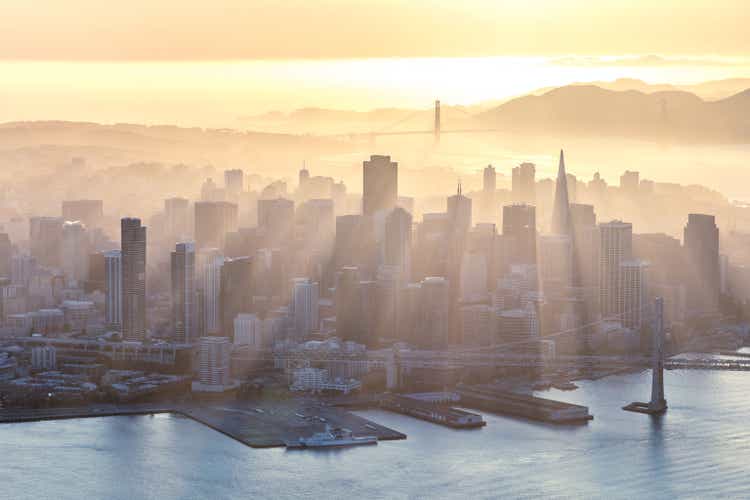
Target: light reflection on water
x=698 y=449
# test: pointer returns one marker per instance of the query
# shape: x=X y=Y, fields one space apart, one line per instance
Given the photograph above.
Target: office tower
x=177 y=218
x=276 y=221
x=355 y=243
x=629 y=183
x=556 y=259
x=236 y=291
x=305 y=295
x=561 y=209
x=435 y=309
x=459 y=214
x=489 y=179
x=586 y=245
x=213 y=220
x=89 y=212
x=489 y=193
x=234 y=182
x=113 y=288
x=473 y=277
x=249 y=331
x=518 y=325
x=523 y=183
x=478 y=325
x=45 y=236
x=211 y=192
x=634 y=294
x=519 y=225
x=483 y=240
x=183 y=293
x=572 y=182
x=389 y=311
x=210 y=262
x=213 y=357
x=6 y=255
x=616 y=239
x=133 y=262
x=349 y=305
x=431 y=253
x=380 y=184
x=398 y=236
x=74 y=251
x=701 y=242
x=23 y=267
x=318 y=222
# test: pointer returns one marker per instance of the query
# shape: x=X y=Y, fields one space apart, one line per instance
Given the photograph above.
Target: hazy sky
x=242 y=29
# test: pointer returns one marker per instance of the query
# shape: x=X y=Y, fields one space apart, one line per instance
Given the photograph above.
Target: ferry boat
x=335 y=437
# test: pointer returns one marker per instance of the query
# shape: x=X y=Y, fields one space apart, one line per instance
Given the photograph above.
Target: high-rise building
x=459 y=214
x=478 y=325
x=45 y=236
x=487 y=210
x=113 y=288
x=616 y=240
x=183 y=293
x=586 y=243
x=305 y=295
x=210 y=262
x=74 y=251
x=213 y=220
x=519 y=227
x=213 y=357
x=634 y=293
x=177 y=218
x=556 y=259
x=236 y=291
x=276 y=221
x=489 y=179
x=380 y=184
x=561 y=209
x=701 y=242
x=398 y=237
x=6 y=255
x=523 y=183
x=629 y=182
x=318 y=224
x=349 y=325
x=89 y=212
x=234 y=182
x=133 y=296
x=435 y=309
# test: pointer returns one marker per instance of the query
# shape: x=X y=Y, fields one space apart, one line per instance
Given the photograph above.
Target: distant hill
x=592 y=110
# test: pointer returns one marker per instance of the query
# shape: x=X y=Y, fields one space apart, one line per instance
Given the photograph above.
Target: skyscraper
x=234 y=182
x=183 y=293
x=6 y=254
x=236 y=291
x=519 y=228
x=305 y=294
x=349 y=305
x=523 y=183
x=435 y=308
x=489 y=179
x=177 y=218
x=616 y=240
x=380 y=184
x=213 y=220
x=133 y=249
x=561 y=208
x=45 y=235
x=634 y=293
x=210 y=261
x=113 y=288
x=701 y=242
x=276 y=221
x=74 y=251
x=398 y=236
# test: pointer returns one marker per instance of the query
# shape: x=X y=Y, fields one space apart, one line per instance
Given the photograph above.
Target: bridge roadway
x=443 y=359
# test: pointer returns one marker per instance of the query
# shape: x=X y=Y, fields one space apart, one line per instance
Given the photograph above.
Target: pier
x=521 y=405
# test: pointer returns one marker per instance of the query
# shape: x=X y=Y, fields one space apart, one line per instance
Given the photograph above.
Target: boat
x=336 y=436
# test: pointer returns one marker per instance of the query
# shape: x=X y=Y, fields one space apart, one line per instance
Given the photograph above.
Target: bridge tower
x=436 y=130
x=658 y=404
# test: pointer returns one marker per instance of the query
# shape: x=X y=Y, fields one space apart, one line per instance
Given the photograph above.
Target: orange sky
x=246 y=29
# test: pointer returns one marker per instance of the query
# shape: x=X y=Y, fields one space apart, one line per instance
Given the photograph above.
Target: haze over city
x=506 y=244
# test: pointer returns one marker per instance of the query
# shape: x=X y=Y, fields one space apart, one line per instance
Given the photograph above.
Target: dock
x=432 y=412
x=257 y=424
x=521 y=405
